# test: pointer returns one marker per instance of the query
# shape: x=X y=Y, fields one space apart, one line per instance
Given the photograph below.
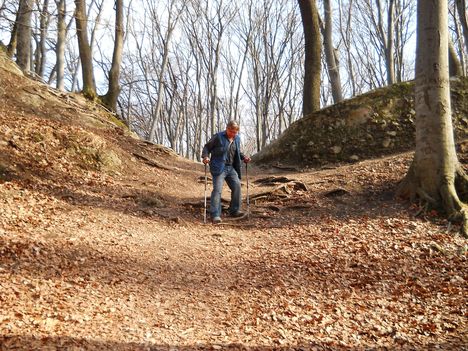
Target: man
x=225 y=165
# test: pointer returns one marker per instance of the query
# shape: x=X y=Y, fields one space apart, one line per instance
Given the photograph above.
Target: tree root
x=461 y=184
x=455 y=209
x=451 y=197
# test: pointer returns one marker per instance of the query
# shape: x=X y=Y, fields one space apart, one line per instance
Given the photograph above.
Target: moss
x=90 y=94
x=118 y=122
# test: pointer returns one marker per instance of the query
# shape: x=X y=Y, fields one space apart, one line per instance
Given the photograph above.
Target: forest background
x=189 y=66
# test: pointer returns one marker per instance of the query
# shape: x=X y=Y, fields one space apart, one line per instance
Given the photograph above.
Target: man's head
x=232 y=128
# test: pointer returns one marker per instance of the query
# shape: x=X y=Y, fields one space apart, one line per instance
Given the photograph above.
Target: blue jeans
x=232 y=179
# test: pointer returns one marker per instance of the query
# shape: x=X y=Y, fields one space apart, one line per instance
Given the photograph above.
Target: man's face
x=231 y=133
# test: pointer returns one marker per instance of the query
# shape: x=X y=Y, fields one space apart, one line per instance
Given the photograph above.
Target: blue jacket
x=218 y=147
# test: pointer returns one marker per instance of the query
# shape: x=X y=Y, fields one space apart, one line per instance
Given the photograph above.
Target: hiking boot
x=216 y=220
x=236 y=214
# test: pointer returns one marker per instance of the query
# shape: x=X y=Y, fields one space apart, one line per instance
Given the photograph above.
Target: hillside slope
x=103 y=247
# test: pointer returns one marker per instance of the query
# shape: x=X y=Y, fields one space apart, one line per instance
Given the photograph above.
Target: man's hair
x=232 y=125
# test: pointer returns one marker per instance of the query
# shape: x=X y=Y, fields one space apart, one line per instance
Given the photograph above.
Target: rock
x=336 y=149
x=354 y=158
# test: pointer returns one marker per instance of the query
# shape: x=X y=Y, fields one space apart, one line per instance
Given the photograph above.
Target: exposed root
x=426 y=197
x=452 y=194
x=454 y=208
x=461 y=184
x=407 y=189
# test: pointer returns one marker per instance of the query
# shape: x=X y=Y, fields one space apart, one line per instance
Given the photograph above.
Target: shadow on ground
x=64 y=343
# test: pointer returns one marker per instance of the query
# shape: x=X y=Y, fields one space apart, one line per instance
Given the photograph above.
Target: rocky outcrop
x=374 y=124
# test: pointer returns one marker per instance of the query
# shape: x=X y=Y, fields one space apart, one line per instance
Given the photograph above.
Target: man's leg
x=232 y=179
x=215 y=201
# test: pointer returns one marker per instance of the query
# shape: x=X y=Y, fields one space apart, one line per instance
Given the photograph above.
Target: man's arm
x=209 y=146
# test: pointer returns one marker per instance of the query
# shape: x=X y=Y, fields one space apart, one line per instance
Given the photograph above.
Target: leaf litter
x=119 y=259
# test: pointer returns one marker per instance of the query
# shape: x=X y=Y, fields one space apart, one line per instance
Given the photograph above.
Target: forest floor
x=100 y=259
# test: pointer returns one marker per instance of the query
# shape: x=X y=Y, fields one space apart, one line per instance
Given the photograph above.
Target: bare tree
x=41 y=39
x=435 y=174
x=331 y=54
x=165 y=40
x=455 y=66
x=461 y=7
x=89 y=85
x=11 y=47
x=110 y=99
x=60 y=47
x=23 y=50
x=312 y=63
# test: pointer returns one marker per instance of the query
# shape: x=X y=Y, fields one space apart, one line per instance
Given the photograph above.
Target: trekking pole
x=206 y=181
x=247 y=179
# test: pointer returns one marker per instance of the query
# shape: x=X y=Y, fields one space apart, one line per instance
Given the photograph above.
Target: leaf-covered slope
x=377 y=123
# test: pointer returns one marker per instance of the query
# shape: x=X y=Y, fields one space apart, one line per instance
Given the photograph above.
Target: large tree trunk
x=435 y=171
x=312 y=65
x=23 y=49
x=89 y=85
x=332 y=60
x=110 y=99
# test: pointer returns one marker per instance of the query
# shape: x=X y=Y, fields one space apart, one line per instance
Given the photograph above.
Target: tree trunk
x=60 y=49
x=11 y=47
x=332 y=59
x=435 y=171
x=312 y=64
x=389 y=47
x=89 y=85
x=461 y=7
x=110 y=99
x=23 y=49
x=162 y=72
x=41 y=57
x=455 y=66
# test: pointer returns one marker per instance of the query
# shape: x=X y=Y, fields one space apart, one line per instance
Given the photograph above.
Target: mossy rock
x=91 y=152
x=371 y=125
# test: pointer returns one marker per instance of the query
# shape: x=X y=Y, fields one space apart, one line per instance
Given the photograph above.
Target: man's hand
x=247 y=159
x=206 y=160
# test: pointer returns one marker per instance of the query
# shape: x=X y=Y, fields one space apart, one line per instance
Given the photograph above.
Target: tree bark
x=461 y=7
x=23 y=49
x=110 y=99
x=89 y=85
x=11 y=47
x=60 y=49
x=332 y=59
x=312 y=64
x=41 y=57
x=455 y=66
x=389 y=47
x=435 y=171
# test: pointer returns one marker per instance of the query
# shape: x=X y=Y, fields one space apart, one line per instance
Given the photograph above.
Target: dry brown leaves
x=91 y=261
